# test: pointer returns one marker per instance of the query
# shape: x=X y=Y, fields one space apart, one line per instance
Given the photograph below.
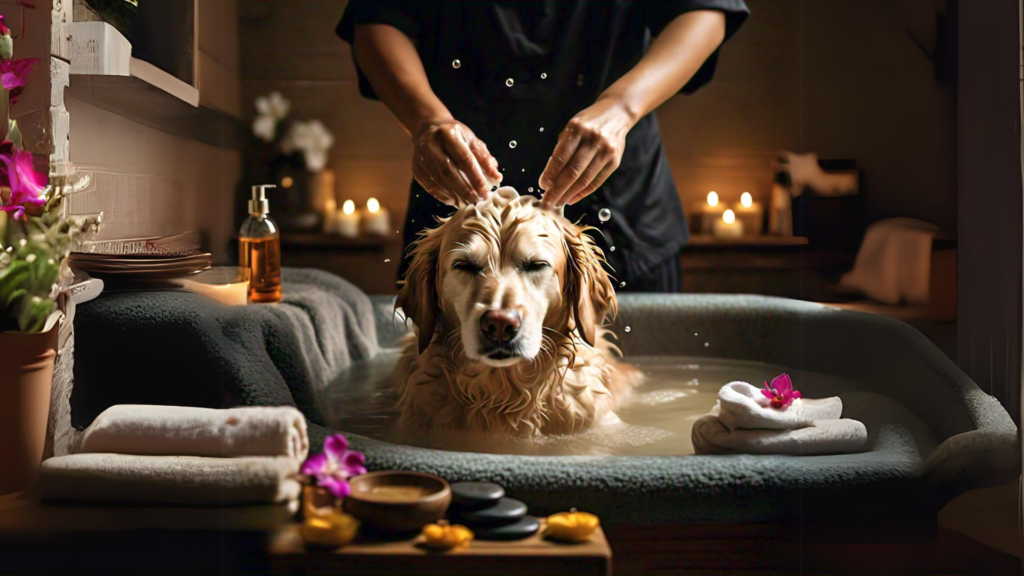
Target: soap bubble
x=456 y=64
x=530 y=189
x=612 y=248
x=512 y=144
x=628 y=328
x=622 y=284
x=509 y=82
x=386 y=260
x=541 y=128
x=543 y=75
x=706 y=344
x=694 y=333
x=524 y=169
x=604 y=215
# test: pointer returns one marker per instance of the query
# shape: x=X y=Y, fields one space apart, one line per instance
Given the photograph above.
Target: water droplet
x=386 y=260
x=524 y=169
x=694 y=333
x=541 y=128
x=604 y=215
x=530 y=189
x=512 y=144
x=628 y=328
x=622 y=284
x=509 y=82
x=543 y=75
x=612 y=248
x=706 y=344
x=456 y=64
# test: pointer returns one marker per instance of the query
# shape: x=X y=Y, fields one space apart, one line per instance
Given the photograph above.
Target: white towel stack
x=180 y=455
x=743 y=422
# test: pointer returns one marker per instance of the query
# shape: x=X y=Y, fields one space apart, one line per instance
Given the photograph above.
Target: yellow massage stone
x=571 y=526
x=331 y=530
x=446 y=537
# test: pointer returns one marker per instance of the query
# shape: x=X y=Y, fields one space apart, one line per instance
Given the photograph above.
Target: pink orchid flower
x=4 y=30
x=335 y=465
x=18 y=173
x=14 y=75
x=780 y=392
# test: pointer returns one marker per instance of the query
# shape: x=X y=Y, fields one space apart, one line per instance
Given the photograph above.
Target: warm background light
x=747 y=200
x=287 y=182
x=729 y=216
x=372 y=205
x=348 y=207
x=712 y=198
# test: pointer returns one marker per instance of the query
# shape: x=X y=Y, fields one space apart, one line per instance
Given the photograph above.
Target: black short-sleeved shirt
x=560 y=56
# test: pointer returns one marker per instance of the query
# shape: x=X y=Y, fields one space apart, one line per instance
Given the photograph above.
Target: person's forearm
x=672 y=60
x=389 y=60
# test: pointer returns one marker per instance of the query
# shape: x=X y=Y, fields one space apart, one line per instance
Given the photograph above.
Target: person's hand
x=589 y=149
x=443 y=150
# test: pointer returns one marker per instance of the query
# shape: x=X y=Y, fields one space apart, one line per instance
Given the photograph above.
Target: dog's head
x=507 y=275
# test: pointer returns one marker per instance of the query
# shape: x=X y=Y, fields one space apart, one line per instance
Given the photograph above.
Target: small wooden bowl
x=396 y=501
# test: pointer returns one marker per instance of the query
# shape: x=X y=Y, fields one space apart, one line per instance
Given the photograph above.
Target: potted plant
x=34 y=276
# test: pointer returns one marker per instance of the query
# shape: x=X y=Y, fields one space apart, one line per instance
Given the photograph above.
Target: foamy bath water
x=656 y=421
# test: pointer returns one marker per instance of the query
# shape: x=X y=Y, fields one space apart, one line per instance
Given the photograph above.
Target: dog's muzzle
x=499 y=329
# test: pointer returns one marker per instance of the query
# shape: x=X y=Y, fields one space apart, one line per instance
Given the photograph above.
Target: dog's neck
x=521 y=396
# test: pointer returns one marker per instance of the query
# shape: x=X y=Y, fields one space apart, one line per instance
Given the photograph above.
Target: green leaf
x=14 y=134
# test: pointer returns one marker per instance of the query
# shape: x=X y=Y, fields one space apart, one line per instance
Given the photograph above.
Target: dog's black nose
x=500 y=326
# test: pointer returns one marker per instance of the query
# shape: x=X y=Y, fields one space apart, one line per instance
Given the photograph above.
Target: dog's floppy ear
x=587 y=285
x=418 y=296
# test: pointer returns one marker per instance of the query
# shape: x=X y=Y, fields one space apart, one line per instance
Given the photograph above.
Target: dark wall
x=990 y=206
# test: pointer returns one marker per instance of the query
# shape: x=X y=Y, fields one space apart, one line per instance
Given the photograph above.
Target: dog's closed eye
x=534 y=266
x=466 y=266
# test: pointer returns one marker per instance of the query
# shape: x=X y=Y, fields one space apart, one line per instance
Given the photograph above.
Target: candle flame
x=712 y=198
x=747 y=200
x=729 y=216
x=348 y=207
x=372 y=205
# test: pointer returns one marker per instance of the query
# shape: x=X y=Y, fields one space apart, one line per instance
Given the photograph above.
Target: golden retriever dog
x=509 y=300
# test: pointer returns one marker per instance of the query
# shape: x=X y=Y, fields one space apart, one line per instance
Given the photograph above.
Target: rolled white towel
x=169 y=479
x=741 y=405
x=711 y=436
x=183 y=431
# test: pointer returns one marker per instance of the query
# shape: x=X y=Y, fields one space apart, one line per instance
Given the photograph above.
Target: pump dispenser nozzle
x=259 y=206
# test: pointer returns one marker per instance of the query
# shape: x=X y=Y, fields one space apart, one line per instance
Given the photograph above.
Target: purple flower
x=335 y=465
x=780 y=392
x=14 y=75
x=18 y=173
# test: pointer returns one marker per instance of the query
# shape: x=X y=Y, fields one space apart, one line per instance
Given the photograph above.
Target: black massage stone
x=474 y=495
x=523 y=528
x=505 y=511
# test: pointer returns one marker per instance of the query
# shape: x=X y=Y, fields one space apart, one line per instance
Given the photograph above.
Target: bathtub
x=975 y=445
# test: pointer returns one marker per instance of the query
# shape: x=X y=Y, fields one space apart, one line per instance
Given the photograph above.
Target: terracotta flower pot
x=26 y=374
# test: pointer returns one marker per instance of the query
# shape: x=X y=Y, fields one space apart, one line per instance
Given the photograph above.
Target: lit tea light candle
x=346 y=222
x=711 y=212
x=376 y=220
x=728 y=227
x=750 y=213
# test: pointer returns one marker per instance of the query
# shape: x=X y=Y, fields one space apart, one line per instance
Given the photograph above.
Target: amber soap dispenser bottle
x=259 y=249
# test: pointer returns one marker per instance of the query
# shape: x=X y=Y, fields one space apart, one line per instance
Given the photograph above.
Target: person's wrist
x=624 y=111
x=424 y=124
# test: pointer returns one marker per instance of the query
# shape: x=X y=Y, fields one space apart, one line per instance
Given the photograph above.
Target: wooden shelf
x=157 y=99
x=701 y=241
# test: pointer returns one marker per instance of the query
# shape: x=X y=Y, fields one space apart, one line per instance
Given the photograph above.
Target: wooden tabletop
x=534 y=555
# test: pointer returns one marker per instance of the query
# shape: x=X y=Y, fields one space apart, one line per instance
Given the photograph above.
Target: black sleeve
x=659 y=13
x=403 y=15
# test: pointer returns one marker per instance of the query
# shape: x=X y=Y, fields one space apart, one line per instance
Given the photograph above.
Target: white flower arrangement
x=310 y=138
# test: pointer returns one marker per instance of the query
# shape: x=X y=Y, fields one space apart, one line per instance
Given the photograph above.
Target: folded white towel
x=182 y=431
x=169 y=479
x=711 y=436
x=743 y=406
x=743 y=422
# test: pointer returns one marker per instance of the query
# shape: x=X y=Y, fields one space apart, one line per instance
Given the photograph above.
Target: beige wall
x=841 y=78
